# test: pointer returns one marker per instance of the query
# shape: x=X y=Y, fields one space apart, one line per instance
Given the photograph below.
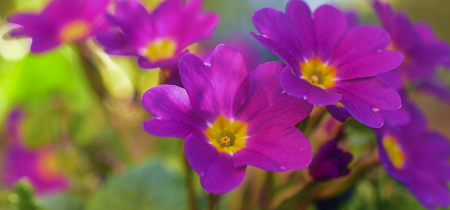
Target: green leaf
x=147 y=187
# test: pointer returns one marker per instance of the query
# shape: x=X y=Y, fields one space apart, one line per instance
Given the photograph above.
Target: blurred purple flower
x=230 y=118
x=158 y=38
x=329 y=61
x=424 y=52
x=330 y=162
x=62 y=21
x=38 y=166
x=418 y=158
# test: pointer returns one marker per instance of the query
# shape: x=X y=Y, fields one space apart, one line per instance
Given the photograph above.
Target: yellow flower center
x=160 y=49
x=74 y=31
x=48 y=165
x=318 y=73
x=394 y=151
x=227 y=135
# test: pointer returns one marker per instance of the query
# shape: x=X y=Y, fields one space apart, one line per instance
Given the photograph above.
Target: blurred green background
x=111 y=162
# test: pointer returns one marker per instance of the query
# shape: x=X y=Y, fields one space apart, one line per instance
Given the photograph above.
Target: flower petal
x=331 y=24
x=216 y=170
x=279 y=51
x=116 y=44
x=42 y=44
x=393 y=78
x=370 y=65
x=300 y=88
x=278 y=148
x=264 y=88
x=372 y=91
x=202 y=27
x=277 y=26
x=339 y=113
x=220 y=88
x=134 y=21
x=357 y=42
x=167 y=128
x=301 y=17
x=170 y=102
x=285 y=109
x=361 y=111
x=436 y=89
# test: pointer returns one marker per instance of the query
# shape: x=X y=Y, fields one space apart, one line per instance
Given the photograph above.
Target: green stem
x=190 y=186
x=297 y=198
x=95 y=81
x=212 y=201
x=267 y=191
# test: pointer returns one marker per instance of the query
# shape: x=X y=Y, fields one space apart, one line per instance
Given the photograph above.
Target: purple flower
x=160 y=37
x=230 y=118
x=329 y=61
x=424 y=52
x=418 y=158
x=62 y=21
x=38 y=166
x=330 y=162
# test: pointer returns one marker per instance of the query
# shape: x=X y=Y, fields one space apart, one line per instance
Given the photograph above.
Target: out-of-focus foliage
x=23 y=197
x=149 y=186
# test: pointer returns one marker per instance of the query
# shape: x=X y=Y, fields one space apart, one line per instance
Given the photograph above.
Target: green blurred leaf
x=61 y=202
x=23 y=197
x=147 y=187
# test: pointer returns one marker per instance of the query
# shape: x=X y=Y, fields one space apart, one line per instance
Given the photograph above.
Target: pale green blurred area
x=62 y=110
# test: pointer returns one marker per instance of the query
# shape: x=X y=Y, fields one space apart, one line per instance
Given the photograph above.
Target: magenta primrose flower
x=329 y=61
x=417 y=157
x=330 y=162
x=230 y=118
x=160 y=37
x=424 y=52
x=61 y=21
x=38 y=166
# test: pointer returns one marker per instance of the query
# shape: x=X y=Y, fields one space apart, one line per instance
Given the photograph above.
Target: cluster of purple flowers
x=231 y=117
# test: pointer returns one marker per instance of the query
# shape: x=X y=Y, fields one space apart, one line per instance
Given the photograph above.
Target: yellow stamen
x=394 y=151
x=316 y=72
x=74 y=31
x=225 y=142
x=160 y=49
x=227 y=135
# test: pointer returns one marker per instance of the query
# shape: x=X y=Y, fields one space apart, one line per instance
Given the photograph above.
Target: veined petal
x=167 y=128
x=357 y=42
x=277 y=26
x=220 y=87
x=370 y=65
x=278 y=148
x=361 y=111
x=264 y=88
x=170 y=102
x=331 y=24
x=374 y=92
x=279 y=51
x=301 y=17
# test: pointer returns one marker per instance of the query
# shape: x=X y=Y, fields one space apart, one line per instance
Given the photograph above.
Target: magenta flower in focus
x=62 y=21
x=424 y=52
x=417 y=157
x=158 y=38
x=329 y=61
x=230 y=119
x=330 y=162
x=38 y=166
